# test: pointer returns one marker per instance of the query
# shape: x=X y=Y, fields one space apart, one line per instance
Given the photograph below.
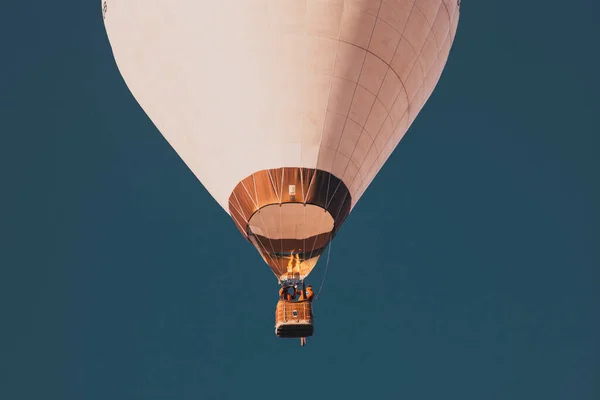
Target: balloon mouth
x=290 y=215
x=291 y=237
x=290 y=221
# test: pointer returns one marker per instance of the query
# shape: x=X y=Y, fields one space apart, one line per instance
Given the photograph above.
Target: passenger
x=309 y=293
x=284 y=293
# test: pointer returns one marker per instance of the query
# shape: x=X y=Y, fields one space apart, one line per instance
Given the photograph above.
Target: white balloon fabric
x=282 y=95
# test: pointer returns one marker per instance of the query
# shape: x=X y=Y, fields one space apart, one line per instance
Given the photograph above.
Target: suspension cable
x=326 y=268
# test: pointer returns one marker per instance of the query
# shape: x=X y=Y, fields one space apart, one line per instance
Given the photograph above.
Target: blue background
x=468 y=270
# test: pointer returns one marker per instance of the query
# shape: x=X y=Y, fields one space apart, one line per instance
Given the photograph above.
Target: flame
x=294 y=261
x=290 y=266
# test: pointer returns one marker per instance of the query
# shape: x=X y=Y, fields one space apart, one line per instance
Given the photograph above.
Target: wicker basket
x=294 y=319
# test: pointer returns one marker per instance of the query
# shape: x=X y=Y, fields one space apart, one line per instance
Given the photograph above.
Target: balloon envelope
x=285 y=110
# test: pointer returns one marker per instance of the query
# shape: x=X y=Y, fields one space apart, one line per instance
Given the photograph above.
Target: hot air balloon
x=285 y=110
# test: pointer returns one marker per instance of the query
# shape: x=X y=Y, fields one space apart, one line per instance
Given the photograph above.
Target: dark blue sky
x=468 y=270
